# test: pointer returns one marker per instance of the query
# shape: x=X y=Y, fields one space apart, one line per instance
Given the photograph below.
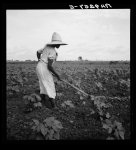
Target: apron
x=45 y=77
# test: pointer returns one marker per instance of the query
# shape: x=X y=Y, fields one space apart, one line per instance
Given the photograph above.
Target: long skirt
x=46 y=82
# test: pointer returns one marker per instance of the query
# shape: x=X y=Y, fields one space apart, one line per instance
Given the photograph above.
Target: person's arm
x=39 y=52
x=38 y=55
x=50 y=61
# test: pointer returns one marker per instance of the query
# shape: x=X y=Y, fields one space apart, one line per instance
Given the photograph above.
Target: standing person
x=44 y=69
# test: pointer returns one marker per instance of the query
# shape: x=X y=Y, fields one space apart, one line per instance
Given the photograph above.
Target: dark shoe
x=47 y=102
x=52 y=101
x=42 y=97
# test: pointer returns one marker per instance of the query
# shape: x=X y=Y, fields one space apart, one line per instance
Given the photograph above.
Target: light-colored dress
x=45 y=77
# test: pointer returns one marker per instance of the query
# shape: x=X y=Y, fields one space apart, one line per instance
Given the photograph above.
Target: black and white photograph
x=68 y=74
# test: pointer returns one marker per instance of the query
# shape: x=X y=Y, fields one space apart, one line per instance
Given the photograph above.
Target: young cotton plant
x=67 y=103
x=81 y=96
x=49 y=128
x=16 y=81
x=12 y=89
x=32 y=101
x=115 y=129
x=101 y=104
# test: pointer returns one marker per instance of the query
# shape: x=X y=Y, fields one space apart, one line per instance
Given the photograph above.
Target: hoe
x=88 y=96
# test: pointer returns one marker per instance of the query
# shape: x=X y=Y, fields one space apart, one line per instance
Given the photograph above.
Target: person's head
x=57 y=45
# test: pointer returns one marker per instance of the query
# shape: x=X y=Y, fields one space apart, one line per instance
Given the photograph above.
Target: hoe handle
x=76 y=88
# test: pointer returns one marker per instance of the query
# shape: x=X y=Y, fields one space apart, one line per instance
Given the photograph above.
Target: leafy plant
x=115 y=128
x=49 y=128
x=32 y=101
x=67 y=103
x=112 y=126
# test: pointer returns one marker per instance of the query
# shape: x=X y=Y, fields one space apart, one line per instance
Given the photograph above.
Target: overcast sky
x=94 y=34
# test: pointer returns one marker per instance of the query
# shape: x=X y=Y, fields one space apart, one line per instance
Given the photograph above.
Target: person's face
x=57 y=46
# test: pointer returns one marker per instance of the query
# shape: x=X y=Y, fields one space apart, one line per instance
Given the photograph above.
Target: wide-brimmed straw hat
x=56 y=40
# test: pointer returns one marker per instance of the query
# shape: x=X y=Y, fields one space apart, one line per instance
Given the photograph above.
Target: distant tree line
x=20 y=60
x=113 y=62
